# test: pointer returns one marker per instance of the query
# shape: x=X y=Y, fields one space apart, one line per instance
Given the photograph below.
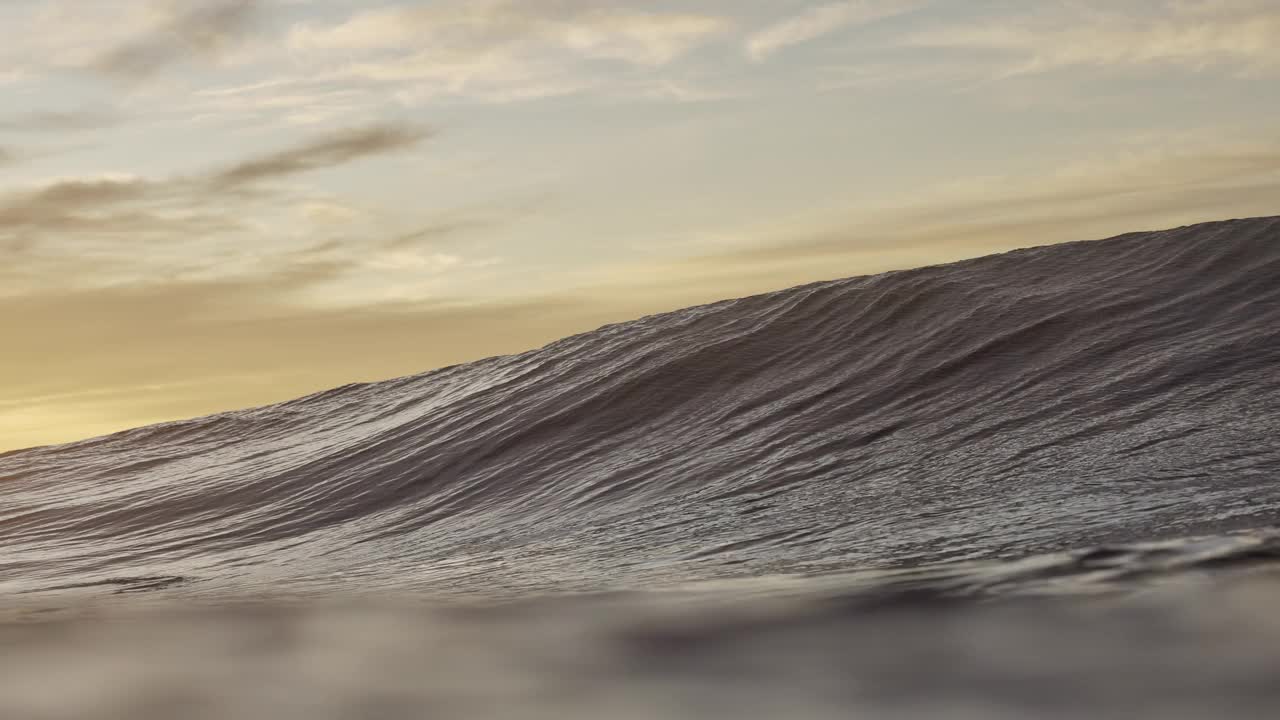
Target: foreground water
x=1041 y=482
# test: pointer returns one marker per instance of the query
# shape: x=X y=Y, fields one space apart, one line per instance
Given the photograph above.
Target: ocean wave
x=1035 y=401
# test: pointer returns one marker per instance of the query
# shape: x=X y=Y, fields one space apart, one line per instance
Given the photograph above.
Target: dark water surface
x=1038 y=484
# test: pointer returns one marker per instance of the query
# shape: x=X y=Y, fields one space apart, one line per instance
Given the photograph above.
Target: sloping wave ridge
x=1041 y=400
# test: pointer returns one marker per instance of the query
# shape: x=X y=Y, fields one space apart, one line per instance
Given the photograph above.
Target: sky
x=213 y=204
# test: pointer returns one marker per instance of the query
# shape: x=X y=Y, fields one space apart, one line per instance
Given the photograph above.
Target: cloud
x=204 y=28
x=635 y=37
x=290 y=100
x=88 y=225
x=7 y=157
x=502 y=51
x=335 y=149
x=58 y=205
x=823 y=20
x=469 y=29
x=1191 y=35
x=57 y=121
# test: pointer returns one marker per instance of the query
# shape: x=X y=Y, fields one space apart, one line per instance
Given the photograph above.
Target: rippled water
x=1026 y=424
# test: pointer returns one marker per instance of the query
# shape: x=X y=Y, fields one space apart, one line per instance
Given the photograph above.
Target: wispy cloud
x=473 y=28
x=104 y=211
x=83 y=213
x=1195 y=35
x=293 y=101
x=329 y=151
x=60 y=204
x=203 y=28
x=823 y=20
x=637 y=37
x=503 y=51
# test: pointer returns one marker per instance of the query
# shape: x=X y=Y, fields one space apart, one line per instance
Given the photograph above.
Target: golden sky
x=211 y=204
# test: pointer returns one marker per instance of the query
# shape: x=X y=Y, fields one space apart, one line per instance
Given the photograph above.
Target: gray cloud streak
x=185 y=207
x=58 y=205
x=336 y=149
x=205 y=30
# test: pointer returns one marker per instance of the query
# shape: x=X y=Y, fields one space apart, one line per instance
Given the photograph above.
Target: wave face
x=1040 y=400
